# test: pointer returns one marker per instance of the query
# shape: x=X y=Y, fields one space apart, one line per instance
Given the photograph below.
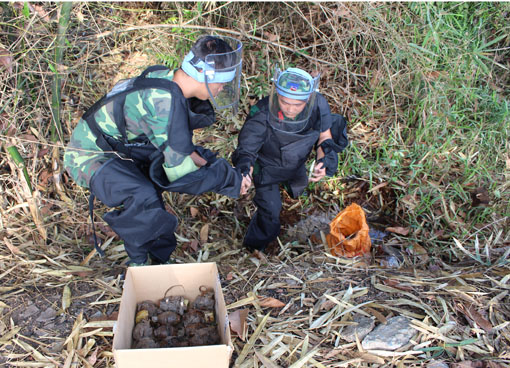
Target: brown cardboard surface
x=151 y=283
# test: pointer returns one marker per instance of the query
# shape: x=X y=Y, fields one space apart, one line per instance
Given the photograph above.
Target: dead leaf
x=194 y=245
x=107 y=230
x=92 y=359
x=193 y=211
x=271 y=36
x=6 y=59
x=44 y=177
x=432 y=75
x=270 y=302
x=229 y=276
x=66 y=298
x=396 y=284
x=29 y=137
x=410 y=202
x=327 y=305
x=111 y=317
x=398 y=230
x=467 y=364
x=380 y=317
x=342 y=12
x=204 y=233
x=491 y=364
x=260 y=256
x=46 y=209
x=42 y=152
x=475 y=316
x=332 y=353
x=238 y=323
x=418 y=251
x=43 y=14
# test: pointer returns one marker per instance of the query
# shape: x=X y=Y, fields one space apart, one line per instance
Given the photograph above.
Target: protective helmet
x=292 y=99
x=219 y=68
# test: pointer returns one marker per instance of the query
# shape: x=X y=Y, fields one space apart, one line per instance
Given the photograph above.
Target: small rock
x=391 y=336
x=30 y=311
x=96 y=315
x=436 y=364
x=49 y=326
x=310 y=225
x=47 y=315
x=364 y=326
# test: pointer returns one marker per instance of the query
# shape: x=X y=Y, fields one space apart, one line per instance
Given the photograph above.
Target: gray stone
x=30 y=311
x=47 y=315
x=394 y=334
x=436 y=364
x=362 y=328
x=310 y=225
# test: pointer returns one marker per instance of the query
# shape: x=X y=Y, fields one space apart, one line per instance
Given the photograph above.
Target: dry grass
x=454 y=276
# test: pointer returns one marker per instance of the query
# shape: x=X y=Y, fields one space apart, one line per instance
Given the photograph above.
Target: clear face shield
x=292 y=99
x=221 y=74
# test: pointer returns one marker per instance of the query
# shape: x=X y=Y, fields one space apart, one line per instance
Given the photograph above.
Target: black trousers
x=140 y=218
x=264 y=227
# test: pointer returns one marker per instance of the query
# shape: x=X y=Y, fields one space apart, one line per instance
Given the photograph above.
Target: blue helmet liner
x=208 y=71
x=192 y=64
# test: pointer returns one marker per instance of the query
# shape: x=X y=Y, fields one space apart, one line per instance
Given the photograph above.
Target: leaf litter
x=59 y=303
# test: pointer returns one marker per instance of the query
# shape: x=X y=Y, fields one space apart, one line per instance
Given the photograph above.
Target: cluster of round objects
x=173 y=322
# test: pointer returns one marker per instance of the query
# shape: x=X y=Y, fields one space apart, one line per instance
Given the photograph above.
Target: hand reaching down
x=245 y=184
x=319 y=171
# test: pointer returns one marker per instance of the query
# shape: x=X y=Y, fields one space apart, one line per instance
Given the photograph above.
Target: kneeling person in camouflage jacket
x=136 y=142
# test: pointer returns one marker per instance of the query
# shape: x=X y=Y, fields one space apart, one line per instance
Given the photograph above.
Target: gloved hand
x=201 y=113
x=330 y=159
x=330 y=162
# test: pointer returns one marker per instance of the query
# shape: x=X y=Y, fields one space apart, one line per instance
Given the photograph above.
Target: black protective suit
x=135 y=182
x=279 y=157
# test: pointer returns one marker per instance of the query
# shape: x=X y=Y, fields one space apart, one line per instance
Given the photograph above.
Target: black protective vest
x=283 y=155
x=187 y=114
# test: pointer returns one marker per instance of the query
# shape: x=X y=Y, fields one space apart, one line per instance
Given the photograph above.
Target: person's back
x=136 y=142
x=146 y=115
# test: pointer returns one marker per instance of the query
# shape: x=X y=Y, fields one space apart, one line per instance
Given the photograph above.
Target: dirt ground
x=298 y=273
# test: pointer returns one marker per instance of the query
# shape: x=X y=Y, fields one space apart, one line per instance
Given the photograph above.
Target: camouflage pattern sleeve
x=82 y=156
x=147 y=112
x=154 y=121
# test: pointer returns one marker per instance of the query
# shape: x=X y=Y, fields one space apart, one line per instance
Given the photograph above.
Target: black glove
x=330 y=162
x=201 y=113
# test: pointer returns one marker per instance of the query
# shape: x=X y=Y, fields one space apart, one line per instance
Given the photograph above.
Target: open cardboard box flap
x=151 y=283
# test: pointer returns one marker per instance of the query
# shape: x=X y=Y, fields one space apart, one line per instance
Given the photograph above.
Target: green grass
x=455 y=126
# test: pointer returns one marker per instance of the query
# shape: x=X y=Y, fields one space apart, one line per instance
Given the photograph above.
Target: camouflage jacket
x=147 y=113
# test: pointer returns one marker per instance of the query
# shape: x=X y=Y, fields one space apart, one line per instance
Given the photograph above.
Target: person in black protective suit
x=136 y=142
x=276 y=141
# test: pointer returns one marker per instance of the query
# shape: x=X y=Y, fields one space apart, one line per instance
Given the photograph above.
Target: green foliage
x=453 y=131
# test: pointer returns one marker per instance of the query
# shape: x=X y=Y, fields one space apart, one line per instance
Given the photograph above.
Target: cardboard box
x=151 y=283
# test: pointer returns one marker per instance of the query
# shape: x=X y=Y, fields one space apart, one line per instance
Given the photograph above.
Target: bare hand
x=245 y=184
x=319 y=171
x=197 y=159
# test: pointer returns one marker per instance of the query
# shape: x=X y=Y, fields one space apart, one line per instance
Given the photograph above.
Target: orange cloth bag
x=348 y=236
